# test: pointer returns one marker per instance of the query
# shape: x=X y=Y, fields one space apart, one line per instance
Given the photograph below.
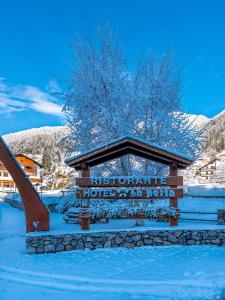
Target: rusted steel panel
x=37 y=214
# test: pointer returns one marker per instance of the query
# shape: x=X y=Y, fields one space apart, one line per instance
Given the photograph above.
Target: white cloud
x=26 y=97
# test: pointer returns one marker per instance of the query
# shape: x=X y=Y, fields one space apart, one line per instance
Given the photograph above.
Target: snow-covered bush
x=56 y=203
x=120 y=209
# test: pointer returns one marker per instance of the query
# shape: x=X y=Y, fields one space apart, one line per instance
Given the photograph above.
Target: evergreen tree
x=47 y=158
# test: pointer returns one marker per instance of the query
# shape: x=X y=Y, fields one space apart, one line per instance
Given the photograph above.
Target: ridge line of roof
x=130 y=136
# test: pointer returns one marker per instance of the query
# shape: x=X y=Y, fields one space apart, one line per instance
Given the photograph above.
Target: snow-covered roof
x=151 y=147
x=36 y=162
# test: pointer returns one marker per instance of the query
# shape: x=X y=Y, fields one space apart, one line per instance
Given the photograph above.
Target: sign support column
x=85 y=203
x=173 y=171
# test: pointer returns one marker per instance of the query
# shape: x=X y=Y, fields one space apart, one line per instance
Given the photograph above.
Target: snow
x=2 y=196
x=194 y=272
x=201 y=204
x=33 y=132
x=206 y=190
x=131 y=136
x=198 y=120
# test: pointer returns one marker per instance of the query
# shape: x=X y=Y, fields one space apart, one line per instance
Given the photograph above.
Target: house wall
x=29 y=167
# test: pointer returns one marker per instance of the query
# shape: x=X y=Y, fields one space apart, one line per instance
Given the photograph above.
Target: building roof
x=208 y=163
x=37 y=163
x=129 y=144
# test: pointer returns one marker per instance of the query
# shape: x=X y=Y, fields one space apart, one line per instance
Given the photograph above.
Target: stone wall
x=128 y=239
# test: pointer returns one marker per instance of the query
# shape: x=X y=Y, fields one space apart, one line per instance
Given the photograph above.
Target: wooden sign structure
x=128 y=187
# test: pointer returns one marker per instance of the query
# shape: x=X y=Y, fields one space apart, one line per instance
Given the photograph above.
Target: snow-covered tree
x=98 y=101
x=47 y=159
x=106 y=100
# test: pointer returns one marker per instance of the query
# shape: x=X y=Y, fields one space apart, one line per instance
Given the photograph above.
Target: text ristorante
x=137 y=180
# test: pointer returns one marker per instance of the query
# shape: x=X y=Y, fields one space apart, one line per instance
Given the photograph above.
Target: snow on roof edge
x=104 y=145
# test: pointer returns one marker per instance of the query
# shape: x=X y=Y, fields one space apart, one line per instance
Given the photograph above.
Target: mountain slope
x=199 y=121
x=34 y=140
x=42 y=144
x=214 y=132
x=44 y=141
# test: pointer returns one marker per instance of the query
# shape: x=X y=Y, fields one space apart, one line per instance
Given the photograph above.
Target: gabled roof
x=208 y=163
x=129 y=144
x=37 y=163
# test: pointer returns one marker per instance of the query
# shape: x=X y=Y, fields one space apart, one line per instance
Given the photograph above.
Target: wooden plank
x=192 y=219
x=114 y=181
x=110 y=194
x=203 y=196
x=137 y=216
x=198 y=213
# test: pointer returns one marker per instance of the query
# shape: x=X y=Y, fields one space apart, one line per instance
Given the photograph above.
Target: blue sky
x=35 y=50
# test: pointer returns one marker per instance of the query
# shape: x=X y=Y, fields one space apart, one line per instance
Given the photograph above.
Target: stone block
x=172 y=238
x=136 y=237
x=148 y=241
x=69 y=247
x=40 y=249
x=107 y=244
x=157 y=240
x=59 y=248
x=178 y=233
x=166 y=243
x=129 y=239
x=140 y=243
x=191 y=242
x=49 y=248
x=129 y=245
x=118 y=240
x=31 y=250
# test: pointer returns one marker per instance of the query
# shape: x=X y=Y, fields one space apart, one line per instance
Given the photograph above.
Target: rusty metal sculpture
x=37 y=214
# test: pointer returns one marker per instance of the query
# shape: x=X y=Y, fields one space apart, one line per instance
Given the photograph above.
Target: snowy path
x=143 y=273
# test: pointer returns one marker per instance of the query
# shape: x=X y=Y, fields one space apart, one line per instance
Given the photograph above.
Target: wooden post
x=84 y=213
x=173 y=201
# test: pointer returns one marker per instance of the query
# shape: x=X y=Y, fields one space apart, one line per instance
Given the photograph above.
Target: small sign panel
x=129 y=181
x=128 y=193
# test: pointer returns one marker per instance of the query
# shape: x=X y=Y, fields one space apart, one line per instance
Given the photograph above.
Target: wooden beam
x=84 y=212
x=126 y=146
x=173 y=171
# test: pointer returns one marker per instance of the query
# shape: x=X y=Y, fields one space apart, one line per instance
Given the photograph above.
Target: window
x=27 y=167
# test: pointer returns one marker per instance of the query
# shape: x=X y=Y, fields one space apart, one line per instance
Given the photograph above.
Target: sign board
x=129 y=181
x=129 y=193
x=129 y=187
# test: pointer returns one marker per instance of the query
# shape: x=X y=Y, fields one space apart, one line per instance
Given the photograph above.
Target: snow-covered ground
x=195 y=272
x=206 y=190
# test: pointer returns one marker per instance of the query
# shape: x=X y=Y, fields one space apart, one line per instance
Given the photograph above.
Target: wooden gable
x=129 y=145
